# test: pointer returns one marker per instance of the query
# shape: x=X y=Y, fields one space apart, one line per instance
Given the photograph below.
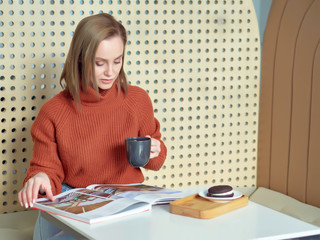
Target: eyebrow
x=103 y=59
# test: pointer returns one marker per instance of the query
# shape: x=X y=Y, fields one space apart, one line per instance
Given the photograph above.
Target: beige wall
x=199 y=61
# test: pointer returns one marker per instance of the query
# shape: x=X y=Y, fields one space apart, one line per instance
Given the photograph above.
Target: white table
x=250 y=222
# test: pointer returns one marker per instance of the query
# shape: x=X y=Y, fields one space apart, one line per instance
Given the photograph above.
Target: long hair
x=79 y=68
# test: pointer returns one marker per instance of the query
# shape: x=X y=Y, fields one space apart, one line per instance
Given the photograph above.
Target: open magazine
x=102 y=202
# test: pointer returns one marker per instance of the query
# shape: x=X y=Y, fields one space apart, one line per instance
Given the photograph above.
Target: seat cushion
x=18 y=225
x=288 y=205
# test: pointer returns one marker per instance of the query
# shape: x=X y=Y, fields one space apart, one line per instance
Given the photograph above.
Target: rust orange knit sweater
x=87 y=146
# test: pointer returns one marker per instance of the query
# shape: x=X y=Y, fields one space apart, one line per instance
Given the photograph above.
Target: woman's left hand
x=155 y=147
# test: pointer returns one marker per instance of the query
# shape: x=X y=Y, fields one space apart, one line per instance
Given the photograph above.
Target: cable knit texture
x=87 y=146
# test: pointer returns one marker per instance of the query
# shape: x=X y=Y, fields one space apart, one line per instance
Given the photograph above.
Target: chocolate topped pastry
x=222 y=191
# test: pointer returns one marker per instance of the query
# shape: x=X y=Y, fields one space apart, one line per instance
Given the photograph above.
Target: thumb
x=50 y=195
x=48 y=192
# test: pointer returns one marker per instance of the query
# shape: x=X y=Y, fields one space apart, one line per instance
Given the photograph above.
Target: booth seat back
x=289 y=120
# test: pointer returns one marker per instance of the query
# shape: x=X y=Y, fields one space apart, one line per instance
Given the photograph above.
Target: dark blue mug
x=138 y=150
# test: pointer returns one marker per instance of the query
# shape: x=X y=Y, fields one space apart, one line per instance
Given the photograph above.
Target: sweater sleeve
x=45 y=157
x=156 y=163
x=149 y=125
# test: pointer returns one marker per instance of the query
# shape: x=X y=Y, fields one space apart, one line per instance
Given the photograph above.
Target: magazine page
x=138 y=191
x=90 y=206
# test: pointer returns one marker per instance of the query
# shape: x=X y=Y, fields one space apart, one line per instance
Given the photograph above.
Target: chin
x=105 y=87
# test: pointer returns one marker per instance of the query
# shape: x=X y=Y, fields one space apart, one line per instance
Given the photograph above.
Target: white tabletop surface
x=250 y=222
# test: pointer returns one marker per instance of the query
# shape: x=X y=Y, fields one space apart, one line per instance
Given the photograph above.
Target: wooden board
x=198 y=207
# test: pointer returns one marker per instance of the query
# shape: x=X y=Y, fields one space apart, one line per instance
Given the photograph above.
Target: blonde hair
x=78 y=69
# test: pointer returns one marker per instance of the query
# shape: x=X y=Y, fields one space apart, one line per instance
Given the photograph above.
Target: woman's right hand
x=39 y=183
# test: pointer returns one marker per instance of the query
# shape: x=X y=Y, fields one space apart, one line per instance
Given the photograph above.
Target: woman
x=79 y=134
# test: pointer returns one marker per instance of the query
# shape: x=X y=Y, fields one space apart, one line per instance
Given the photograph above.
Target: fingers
x=34 y=192
x=22 y=197
x=154 y=155
x=48 y=191
x=155 y=147
x=26 y=194
x=29 y=193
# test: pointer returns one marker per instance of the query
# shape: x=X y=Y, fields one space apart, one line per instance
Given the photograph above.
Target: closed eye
x=99 y=64
x=118 y=60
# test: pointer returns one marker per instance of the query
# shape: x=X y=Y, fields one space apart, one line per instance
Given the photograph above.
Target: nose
x=108 y=70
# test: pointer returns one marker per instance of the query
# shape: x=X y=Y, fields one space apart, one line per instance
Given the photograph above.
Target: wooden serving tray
x=198 y=207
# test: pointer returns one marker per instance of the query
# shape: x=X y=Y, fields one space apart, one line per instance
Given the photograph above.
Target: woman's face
x=108 y=61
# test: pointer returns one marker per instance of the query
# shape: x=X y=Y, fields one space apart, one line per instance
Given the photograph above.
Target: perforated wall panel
x=199 y=61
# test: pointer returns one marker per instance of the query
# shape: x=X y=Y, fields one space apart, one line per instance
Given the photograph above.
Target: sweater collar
x=92 y=97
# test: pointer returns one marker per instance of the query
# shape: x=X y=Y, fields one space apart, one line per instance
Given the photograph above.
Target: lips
x=106 y=81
